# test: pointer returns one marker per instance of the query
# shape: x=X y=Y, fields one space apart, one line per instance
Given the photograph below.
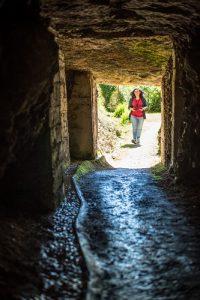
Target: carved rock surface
x=102 y=36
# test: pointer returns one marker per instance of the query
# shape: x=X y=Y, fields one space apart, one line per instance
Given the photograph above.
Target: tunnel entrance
x=90 y=62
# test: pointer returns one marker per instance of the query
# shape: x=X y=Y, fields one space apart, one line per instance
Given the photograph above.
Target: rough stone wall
x=181 y=111
x=166 y=112
x=121 y=41
x=120 y=18
x=59 y=131
x=124 y=60
x=82 y=115
x=187 y=160
x=28 y=62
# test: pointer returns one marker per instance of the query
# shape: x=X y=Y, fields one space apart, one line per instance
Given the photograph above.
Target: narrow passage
x=140 y=242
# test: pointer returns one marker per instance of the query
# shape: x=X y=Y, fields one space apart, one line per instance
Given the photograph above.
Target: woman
x=137 y=106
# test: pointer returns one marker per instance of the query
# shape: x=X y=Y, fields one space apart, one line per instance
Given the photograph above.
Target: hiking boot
x=133 y=141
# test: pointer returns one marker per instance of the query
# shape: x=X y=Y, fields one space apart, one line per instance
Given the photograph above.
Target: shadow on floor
x=130 y=146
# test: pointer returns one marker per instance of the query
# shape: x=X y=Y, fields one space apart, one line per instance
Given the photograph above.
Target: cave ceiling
x=120 y=41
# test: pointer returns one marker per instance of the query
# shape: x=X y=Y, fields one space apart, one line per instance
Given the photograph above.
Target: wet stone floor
x=40 y=257
x=140 y=241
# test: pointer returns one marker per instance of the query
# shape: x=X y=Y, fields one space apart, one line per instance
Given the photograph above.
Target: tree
x=107 y=91
x=153 y=97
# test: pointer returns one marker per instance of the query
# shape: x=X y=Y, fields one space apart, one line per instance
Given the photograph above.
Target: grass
x=158 y=171
x=90 y=166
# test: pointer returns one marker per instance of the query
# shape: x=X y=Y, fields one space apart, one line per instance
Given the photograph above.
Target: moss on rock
x=151 y=51
x=88 y=166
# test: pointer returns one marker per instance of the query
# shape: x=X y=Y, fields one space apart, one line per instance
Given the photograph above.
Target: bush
x=120 y=109
x=153 y=97
x=123 y=112
x=154 y=104
x=124 y=118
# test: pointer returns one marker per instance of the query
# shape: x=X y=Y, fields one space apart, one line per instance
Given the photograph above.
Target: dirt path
x=138 y=156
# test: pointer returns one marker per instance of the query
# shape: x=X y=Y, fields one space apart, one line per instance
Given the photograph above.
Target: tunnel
x=52 y=56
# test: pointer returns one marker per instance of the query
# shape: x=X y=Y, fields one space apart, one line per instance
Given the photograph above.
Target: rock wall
x=187 y=159
x=166 y=113
x=181 y=111
x=28 y=63
x=59 y=132
x=82 y=114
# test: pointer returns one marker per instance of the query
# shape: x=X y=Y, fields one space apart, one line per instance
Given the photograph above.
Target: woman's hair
x=141 y=93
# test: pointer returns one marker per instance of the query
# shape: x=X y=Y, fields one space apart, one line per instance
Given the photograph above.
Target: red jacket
x=137 y=105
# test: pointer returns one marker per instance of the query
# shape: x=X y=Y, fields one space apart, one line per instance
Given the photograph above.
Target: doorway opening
x=120 y=62
x=115 y=131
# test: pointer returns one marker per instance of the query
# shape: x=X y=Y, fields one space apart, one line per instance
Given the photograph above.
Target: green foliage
x=158 y=171
x=106 y=91
x=154 y=105
x=122 y=112
x=153 y=97
x=120 y=109
x=120 y=97
x=84 y=168
x=115 y=98
x=112 y=96
x=124 y=118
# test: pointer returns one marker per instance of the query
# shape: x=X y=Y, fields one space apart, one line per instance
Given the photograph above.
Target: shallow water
x=139 y=242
